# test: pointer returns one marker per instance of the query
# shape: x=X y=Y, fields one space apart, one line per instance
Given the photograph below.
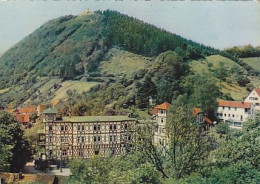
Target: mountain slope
x=105 y=47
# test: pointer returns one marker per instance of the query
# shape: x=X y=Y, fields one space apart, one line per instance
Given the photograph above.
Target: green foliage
x=123 y=169
x=205 y=94
x=244 y=52
x=189 y=144
x=141 y=38
x=144 y=89
x=167 y=72
x=222 y=128
x=14 y=148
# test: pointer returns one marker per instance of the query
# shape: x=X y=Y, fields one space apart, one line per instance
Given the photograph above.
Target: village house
x=235 y=112
x=84 y=136
x=201 y=117
x=254 y=98
x=159 y=115
x=23 y=115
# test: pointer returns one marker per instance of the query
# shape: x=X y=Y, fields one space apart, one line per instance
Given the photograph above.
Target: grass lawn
x=237 y=92
x=79 y=86
x=4 y=90
x=201 y=66
x=253 y=62
x=123 y=62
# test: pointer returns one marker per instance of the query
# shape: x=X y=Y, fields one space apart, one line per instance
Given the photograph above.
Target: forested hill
x=71 y=46
x=109 y=61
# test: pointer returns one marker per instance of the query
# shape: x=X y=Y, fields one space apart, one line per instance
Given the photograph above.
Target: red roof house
x=164 y=106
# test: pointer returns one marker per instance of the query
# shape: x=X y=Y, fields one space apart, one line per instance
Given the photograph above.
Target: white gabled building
x=235 y=112
x=254 y=97
x=160 y=113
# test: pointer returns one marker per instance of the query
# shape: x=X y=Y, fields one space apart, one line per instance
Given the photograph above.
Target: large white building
x=235 y=112
x=254 y=97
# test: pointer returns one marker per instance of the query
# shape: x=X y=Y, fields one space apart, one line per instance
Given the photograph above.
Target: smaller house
x=254 y=98
x=23 y=118
x=235 y=112
x=201 y=117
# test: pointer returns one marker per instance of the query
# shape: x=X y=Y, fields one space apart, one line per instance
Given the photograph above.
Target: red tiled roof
x=257 y=90
x=54 y=102
x=23 y=118
x=234 y=104
x=195 y=112
x=28 y=110
x=164 y=106
x=207 y=120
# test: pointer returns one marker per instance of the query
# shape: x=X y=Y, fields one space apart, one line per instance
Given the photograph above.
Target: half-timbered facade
x=85 y=136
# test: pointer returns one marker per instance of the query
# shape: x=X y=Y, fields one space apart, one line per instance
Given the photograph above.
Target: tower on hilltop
x=86 y=12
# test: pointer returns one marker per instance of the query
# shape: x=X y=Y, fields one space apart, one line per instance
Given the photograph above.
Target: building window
x=97 y=138
x=50 y=139
x=223 y=108
x=237 y=124
x=81 y=139
x=112 y=127
x=96 y=152
x=129 y=138
x=229 y=108
x=233 y=115
x=80 y=152
x=225 y=115
x=241 y=118
x=63 y=139
x=81 y=128
x=161 y=120
x=64 y=128
x=228 y=115
x=50 y=128
x=257 y=104
x=96 y=127
x=112 y=138
x=126 y=126
x=251 y=98
x=64 y=153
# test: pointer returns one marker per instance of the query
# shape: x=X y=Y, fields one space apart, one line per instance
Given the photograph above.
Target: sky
x=220 y=24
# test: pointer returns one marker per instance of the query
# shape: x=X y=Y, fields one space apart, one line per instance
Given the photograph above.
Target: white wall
x=236 y=115
x=255 y=99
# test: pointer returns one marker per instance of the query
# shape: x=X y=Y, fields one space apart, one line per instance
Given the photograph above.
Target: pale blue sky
x=218 y=24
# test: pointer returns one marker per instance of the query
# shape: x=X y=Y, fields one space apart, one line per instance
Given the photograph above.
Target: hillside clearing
x=4 y=90
x=123 y=62
x=78 y=86
x=253 y=62
x=202 y=66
